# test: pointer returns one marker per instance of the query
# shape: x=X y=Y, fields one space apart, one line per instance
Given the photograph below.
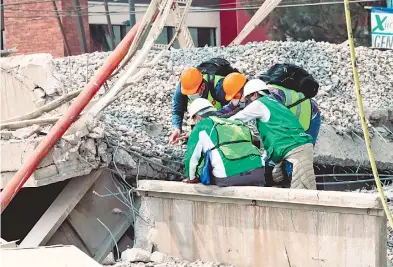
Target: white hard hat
x=253 y=86
x=198 y=105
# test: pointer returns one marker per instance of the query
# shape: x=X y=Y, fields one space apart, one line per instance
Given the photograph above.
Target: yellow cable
x=361 y=113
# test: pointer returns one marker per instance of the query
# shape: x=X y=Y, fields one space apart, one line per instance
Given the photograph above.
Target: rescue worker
x=307 y=112
x=233 y=87
x=204 y=81
x=220 y=151
x=282 y=135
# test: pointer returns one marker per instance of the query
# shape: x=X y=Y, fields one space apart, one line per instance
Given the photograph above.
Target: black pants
x=254 y=177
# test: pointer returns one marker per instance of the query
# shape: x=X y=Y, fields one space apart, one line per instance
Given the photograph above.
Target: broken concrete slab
x=257 y=226
x=86 y=225
x=14 y=154
x=342 y=150
x=59 y=210
x=16 y=96
x=52 y=173
x=54 y=256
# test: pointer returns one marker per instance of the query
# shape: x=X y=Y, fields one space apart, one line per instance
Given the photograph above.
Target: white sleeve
x=196 y=155
x=255 y=110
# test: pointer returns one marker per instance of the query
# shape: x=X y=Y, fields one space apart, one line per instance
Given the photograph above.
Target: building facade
x=33 y=27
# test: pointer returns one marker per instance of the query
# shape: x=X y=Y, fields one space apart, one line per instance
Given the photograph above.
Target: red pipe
x=102 y=74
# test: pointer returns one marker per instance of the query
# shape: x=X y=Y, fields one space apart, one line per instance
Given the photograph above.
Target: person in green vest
x=282 y=135
x=307 y=111
x=203 y=81
x=220 y=151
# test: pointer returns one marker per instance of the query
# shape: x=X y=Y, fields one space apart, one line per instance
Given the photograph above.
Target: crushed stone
x=137 y=257
x=141 y=118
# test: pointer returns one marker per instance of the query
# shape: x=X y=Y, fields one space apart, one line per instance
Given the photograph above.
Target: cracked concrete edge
x=51 y=174
x=334 y=149
x=264 y=194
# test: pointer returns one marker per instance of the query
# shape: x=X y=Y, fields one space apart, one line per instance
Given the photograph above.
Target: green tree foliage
x=320 y=22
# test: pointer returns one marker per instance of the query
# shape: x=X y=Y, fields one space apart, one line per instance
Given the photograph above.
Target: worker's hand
x=184 y=137
x=175 y=136
x=188 y=181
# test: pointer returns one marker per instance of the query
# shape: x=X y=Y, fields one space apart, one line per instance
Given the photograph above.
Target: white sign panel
x=382 y=27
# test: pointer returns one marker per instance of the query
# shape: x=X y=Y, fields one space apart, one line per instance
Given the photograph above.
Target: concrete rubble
x=141 y=118
x=136 y=257
x=139 y=121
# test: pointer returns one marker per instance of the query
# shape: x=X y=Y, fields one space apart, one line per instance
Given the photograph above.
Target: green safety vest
x=302 y=111
x=215 y=103
x=233 y=141
x=282 y=132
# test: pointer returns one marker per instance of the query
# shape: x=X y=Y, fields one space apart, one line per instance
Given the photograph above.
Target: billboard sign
x=382 y=27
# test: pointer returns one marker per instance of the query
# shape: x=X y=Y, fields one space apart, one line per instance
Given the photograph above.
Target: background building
x=32 y=27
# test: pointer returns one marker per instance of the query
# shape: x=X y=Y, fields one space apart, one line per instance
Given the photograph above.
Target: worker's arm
x=255 y=110
x=179 y=108
x=228 y=110
x=193 y=153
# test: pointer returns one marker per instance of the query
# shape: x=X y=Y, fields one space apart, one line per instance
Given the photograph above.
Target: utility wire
x=118 y=4
x=100 y=13
x=355 y=181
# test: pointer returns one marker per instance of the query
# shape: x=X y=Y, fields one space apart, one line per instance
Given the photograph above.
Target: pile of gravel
x=142 y=117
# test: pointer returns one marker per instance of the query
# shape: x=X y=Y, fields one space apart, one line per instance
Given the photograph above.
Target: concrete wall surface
x=256 y=226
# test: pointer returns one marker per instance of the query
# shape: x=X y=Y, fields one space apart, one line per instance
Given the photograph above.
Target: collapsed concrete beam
x=59 y=210
x=342 y=150
x=63 y=162
x=257 y=226
x=86 y=215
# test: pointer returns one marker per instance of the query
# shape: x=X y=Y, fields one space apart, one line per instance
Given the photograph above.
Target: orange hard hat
x=190 y=80
x=232 y=84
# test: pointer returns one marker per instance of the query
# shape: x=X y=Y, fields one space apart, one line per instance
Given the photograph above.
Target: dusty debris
x=26 y=132
x=159 y=257
x=121 y=157
x=135 y=255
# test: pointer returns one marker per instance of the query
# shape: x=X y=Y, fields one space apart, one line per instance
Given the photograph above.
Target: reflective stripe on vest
x=214 y=102
x=302 y=111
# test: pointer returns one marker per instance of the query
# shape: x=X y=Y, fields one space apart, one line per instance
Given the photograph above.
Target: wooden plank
x=59 y=210
x=184 y=36
x=57 y=256
x=258 y=17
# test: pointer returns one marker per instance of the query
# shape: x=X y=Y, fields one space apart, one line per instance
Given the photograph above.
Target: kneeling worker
x=282 y=134
x=220 y=151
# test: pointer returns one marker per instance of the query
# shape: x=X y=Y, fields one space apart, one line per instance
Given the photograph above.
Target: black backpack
x=215 y=66
x=291 y=77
